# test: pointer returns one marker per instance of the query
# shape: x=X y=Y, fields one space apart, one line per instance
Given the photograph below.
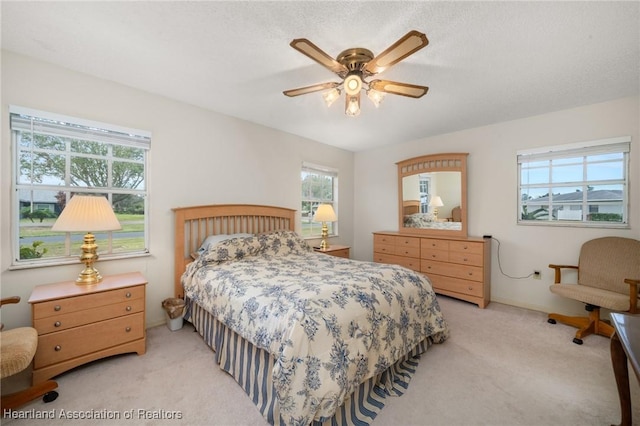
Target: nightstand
x=77 y=324
x=335 y=250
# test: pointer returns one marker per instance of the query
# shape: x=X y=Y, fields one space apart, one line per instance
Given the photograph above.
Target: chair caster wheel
x=577 y=341
x=551 y=321
x=50 y=396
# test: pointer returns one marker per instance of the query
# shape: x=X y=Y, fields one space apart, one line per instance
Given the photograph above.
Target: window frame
x=328 y=172
x=73 y=128
x=558 y=157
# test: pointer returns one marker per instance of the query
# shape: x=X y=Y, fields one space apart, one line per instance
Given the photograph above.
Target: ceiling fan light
x=375 y=97
x=352 y=84
x=352 y=108
x=331 y=96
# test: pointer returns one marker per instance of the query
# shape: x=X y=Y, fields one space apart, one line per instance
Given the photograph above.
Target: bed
x=311 y=338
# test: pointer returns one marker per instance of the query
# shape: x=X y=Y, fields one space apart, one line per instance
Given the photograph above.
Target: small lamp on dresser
x=325 y=214
x=87 y=214
x=435 y=202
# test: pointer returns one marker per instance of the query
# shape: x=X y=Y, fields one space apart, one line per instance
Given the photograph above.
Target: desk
x=625 y=345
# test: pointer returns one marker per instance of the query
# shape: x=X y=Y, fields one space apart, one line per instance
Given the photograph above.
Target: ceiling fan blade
x=407 y=45
x=311 y=89
x=395 y=88
x=309 y=49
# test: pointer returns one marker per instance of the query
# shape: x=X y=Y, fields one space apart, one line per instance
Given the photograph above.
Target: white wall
x=492 y=194
x=197 y=157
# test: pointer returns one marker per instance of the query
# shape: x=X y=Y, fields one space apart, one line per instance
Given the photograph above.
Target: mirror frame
x=451 y=162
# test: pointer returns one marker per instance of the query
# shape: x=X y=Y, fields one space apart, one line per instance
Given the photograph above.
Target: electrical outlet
x=537 y=275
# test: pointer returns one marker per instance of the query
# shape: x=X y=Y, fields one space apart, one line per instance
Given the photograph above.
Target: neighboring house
x=569 y=206
x=42 y=200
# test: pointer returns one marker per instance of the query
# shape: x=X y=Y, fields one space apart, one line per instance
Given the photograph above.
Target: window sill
x=76 y=261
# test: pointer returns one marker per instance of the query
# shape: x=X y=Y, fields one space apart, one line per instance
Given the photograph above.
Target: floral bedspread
x=426 y=220
x=330 y=323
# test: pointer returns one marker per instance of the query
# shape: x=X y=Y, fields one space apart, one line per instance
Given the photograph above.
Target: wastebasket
x=173 y=311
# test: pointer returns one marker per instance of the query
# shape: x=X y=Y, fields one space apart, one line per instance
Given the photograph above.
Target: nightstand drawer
x=340 y=253
x=85 y=302
x=72 y=343
x=74 y=319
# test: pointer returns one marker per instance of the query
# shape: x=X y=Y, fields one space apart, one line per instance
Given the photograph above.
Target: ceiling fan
x=357 y=64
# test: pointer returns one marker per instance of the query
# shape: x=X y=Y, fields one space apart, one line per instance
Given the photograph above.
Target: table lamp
x=325 y=214
x=435 y=202
x=87 y=214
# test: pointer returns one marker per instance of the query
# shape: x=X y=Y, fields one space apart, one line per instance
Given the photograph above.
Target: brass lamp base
x=89 y=256
x=324 y=244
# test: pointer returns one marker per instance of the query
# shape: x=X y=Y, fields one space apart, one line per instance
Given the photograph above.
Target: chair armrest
x=633 y=294
x=558 y=269
x=8 y=300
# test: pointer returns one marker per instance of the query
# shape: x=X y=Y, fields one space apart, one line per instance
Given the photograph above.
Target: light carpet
x=502 y=366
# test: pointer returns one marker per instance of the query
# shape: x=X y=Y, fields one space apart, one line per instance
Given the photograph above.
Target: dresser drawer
x=435 y=254
x=384 y=239
x=407 y=251
x=433 y=244
x=465 y=258
x=466 y=247
x=384 y=248
x=85 y=302
x=407 y=262
x=74 y=319
x=465 y=272
x=412 y=242
x=64 y=345
x=471 y=288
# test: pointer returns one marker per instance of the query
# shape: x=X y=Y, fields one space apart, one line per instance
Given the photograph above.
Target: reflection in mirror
x=433 y=194
x=432 y=200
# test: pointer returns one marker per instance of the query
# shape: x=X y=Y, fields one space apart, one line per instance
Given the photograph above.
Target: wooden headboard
x=410 y=207
x=195 y=224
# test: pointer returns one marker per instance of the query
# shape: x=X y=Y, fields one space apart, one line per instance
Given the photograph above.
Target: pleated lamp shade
x=87 y=214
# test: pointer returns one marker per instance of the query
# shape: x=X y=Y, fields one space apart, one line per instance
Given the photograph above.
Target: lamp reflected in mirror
x=435 y=202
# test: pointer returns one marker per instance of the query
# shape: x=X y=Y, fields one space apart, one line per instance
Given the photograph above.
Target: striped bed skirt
x=251 y=367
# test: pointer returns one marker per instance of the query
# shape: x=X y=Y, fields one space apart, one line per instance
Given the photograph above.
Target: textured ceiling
x=486 y=62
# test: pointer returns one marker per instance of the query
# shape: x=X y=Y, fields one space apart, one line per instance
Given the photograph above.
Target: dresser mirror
x=433 y=195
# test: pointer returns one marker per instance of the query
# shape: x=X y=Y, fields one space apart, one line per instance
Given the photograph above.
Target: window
x=319 y=186
x=56 y=157
x=425 y=185
x=583 y=184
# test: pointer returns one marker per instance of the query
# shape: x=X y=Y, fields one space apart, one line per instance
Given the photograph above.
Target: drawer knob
x=465 y=259
x=465 y=247
x=57 y=308
x=470 y=273
x=128 y=294
x=433 y=255
x=128 y=308
x=470 y=288
x=128 y=329
x=57 y=324
x=58 y=348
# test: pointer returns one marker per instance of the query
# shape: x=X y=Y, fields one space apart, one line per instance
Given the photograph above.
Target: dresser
x=456 y=267
x=334 y=250
x=77 y=324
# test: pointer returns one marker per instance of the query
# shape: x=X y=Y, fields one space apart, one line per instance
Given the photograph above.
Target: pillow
x=231 y=249
x=279 y=243
x=215 y=239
